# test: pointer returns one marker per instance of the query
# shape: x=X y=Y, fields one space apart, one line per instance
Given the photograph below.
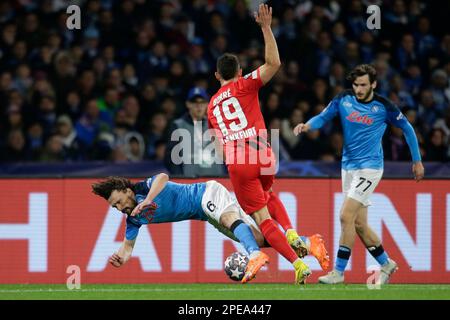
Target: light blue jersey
x=364 y=125
x=176 y=202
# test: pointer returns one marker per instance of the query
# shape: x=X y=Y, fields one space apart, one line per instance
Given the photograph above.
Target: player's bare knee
x=360 y=228
x=347 y=218
x=228 y=218
x=260 y=215
x=349 y=212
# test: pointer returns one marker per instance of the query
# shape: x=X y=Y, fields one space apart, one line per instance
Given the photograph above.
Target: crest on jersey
x=149 y=212
x=375 y=109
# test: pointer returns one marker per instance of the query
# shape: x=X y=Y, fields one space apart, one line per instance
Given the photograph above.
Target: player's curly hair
x=106 y=187
x=362 y=70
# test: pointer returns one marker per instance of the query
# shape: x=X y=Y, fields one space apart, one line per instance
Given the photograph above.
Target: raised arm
x=158 y=183
x=119 y=258
x=272 y=58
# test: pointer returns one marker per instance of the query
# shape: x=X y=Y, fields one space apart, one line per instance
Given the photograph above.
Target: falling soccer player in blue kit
x=158 y=200
x=364 y=116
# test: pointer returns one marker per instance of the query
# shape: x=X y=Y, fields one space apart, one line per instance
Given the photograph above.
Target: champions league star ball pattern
x=235 y=266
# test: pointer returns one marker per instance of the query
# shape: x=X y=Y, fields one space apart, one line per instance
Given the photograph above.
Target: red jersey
x=235 y=113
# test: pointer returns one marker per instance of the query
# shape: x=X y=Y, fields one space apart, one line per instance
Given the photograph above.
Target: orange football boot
x=254 y=265
x=318 y=250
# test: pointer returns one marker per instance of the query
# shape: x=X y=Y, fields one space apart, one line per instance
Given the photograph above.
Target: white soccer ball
x=235 y=266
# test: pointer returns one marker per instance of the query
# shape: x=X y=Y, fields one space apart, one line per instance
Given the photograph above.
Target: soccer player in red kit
x=234 y=114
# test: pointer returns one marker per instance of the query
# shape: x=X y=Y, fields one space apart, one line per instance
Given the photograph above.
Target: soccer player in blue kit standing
x=364 y=116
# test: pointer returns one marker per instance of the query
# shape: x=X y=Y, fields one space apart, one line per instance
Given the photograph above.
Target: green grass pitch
x=233 y=291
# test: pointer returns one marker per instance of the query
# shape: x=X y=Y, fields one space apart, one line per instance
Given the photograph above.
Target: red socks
x=278 y=211
x=277 y=239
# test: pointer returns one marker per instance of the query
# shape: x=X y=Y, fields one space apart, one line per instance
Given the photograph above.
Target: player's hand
x=116 y=260
x=264 y=15
x=418 y=170
x=141 y=206
x=301 y=127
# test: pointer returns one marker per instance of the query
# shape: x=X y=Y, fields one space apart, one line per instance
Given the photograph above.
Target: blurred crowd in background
x=114 y=89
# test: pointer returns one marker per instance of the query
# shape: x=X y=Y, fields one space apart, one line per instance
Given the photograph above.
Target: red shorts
x=251 y=183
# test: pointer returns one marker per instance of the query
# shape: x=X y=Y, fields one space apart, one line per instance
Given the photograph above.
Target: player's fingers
x=261 y=9
x=136 y=211
x=116 y=264
x=418 y=175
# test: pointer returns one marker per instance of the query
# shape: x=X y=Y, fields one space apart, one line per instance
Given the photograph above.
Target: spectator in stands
x=156 y=51
x=14 y=150
x=439 y=84
x=54 y=150
x=195 y=158
x=92 y=122
x=35 y=141
x=156 y=133
x=134 y=147
x=72 y=148
x=436 y=148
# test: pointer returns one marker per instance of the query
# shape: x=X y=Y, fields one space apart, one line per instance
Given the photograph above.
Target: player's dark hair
x=227 y=66
x=106 y=187
x=362 y=70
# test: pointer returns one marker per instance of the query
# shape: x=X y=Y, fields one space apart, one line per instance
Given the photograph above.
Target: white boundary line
x=446 y=288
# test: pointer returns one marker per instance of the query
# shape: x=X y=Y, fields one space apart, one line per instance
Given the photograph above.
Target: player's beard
x=131 y=207
x=366 y=96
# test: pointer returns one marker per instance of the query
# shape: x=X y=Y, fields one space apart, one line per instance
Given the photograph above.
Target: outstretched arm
x=319 y=120
x=272 y=58
x=119 y=258
x=158 y=183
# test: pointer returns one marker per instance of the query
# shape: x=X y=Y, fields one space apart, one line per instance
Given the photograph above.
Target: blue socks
x=343 y=256
x=379 y=254
x=245 y=236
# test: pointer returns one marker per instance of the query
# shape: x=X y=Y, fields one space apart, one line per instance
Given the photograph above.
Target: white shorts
x=360 y=184
x=216 y=201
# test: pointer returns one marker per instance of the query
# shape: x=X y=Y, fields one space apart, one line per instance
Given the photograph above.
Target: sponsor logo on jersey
x=355 y=116
x=347 y=104
x=242 y=134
